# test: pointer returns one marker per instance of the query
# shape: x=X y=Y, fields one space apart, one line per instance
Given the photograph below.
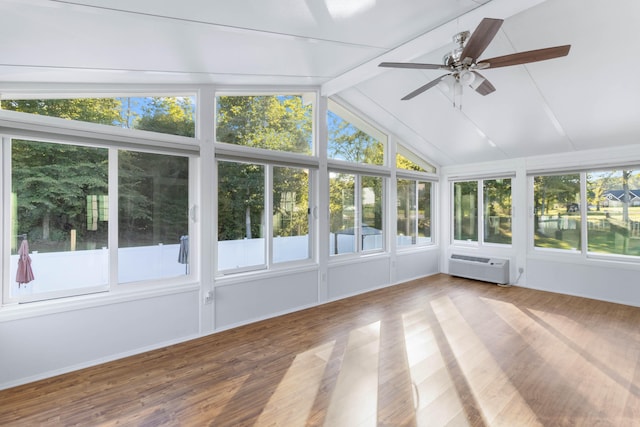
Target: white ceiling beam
x=427 y=42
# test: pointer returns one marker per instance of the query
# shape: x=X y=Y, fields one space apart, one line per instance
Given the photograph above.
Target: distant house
x=614 y=198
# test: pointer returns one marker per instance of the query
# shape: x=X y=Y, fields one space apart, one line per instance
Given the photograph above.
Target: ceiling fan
x=463 y=63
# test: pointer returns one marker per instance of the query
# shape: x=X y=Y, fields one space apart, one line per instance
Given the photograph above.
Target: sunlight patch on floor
x=436 y=400
x=293 y=399
x=555 y=352
x=498 y=399
x=354 y=401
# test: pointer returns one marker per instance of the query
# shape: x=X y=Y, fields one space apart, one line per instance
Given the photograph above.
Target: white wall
x=556 y=271
x=35 y=345
x=241 y=300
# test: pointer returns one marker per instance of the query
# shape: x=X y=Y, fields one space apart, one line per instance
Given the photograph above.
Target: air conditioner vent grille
x=470 y=258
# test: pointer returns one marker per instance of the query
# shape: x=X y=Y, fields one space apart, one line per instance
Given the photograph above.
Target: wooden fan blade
x=424 y=88
x=481 y=38
x=526 y=57
x=482 y=85
x=412 y=65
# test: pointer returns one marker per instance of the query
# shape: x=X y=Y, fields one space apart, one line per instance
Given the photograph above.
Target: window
x=557 y=220
x=371 y=212
x=52 y=187
x=173 y=115
x=242 y=224
x=497 y=210
x=241 y=209
x=356 y=213
x=465 y=211
x=273 y=122
x=290 y=214
x=342 y=210
x=407 y=160
x=352 y=139
x=60 y=209
x=613 y=212
x=413 y=212
x=492 y=199
x=153 y=221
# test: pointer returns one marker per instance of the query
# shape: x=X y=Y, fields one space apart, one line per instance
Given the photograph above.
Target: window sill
x=126 y=293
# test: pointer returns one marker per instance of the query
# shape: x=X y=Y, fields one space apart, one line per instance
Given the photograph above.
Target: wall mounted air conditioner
x=493 y=270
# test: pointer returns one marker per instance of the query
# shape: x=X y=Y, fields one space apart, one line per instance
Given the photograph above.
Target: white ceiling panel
x=87 y=40
x=379 y=23
x=583 y=101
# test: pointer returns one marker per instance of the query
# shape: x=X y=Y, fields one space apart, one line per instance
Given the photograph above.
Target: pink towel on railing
x=25 y=273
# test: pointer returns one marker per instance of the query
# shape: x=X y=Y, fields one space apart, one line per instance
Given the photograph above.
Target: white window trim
x=480 y=215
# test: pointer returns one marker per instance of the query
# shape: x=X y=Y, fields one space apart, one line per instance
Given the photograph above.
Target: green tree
x=94 y=110
x=280 y=123
x=168 y=115
x=596 y=188
x=51 y=181
x=153 y=203
x=347 y=142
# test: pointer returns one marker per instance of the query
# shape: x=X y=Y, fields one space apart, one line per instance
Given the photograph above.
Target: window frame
x=355 y=119
x=418 y=177
x=25 y=126
x=268 y=164
x=480 y=206
x=582 y=252
x=358 y=173
x=308 y=96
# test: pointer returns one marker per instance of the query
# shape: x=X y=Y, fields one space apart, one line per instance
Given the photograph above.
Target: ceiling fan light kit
x=462 y=62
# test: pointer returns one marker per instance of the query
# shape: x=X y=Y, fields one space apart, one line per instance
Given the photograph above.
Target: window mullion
x=357 y=219
x=112 y=233
x=416 y=211
x=480 y=204
x=268 y=214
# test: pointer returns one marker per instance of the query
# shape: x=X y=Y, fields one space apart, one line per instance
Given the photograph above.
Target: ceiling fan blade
x=525 y=57
x=424 y=88
x=481 y=85
x=412 y=65
x=481 y=38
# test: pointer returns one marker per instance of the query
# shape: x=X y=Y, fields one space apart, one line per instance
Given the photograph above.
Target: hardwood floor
x=439 y=351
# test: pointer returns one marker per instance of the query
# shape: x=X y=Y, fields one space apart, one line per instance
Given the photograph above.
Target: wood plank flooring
x=439 y=351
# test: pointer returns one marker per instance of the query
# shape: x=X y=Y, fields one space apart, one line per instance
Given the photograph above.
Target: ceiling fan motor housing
x=453 y=57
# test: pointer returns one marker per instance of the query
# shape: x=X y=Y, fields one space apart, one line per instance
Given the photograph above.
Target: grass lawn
x=610 y=236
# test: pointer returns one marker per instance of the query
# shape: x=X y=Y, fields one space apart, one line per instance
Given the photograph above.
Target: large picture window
x=60 y=218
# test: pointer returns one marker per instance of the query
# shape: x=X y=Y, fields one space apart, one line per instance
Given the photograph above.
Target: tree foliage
x=347 y=142
x=52 y=181
x=279 y=123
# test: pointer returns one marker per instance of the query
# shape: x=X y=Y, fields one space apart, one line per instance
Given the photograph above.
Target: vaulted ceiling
x=586 y=100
